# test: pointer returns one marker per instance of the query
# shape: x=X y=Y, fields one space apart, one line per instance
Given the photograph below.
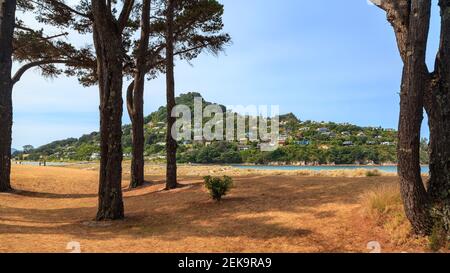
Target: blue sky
x=323 y=60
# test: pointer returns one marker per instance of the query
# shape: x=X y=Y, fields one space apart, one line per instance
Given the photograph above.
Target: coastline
x=200 y=170
x=61 y=163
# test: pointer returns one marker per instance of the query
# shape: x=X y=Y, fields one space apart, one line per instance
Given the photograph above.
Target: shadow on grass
x=52 y=195
x=188 y=212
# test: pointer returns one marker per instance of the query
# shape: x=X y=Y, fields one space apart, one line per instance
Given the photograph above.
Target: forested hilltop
x=301 y=143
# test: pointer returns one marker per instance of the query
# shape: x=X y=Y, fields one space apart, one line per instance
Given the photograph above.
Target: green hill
x=302 y=142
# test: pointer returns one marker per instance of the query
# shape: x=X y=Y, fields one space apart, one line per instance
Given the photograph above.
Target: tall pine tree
x=421 y=89
x=198 y=28
x=31 y=48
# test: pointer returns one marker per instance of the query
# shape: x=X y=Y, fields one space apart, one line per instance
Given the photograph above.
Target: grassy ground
x=265 y=212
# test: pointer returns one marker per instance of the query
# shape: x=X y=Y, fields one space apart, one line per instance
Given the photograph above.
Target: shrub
x=438 y=238
x=372 y=173
x=217 y=186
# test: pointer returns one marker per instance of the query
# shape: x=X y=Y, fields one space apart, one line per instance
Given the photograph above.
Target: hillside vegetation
x=301 y=143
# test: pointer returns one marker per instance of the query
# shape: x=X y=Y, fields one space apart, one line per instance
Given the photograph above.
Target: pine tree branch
x=125 y=14
x=31 y=65
x=42 y=38
x=68 y=8
x=398 y=12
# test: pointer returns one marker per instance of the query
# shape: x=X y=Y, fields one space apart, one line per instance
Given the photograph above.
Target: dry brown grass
x=263 y=213
x=221 y=170
x=383 y=206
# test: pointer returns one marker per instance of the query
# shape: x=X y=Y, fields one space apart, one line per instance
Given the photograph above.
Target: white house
x=95 y=156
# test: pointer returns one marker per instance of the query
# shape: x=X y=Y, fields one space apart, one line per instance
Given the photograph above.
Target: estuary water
x=388 y=169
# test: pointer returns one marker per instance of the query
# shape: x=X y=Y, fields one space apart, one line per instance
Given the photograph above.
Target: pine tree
x=198 y=26
x=421 y=89
x=32 y=48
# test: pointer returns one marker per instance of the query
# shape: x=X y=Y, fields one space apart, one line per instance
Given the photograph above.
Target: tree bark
x=135 y=101
x=135 y=98
x=438 y=110
x=171 y=144
x=7 y=23
x=411 y=20
x=414 y=83
x=108 y=46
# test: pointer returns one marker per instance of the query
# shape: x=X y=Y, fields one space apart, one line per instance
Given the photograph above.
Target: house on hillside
x=329 y=134
x=387 y=143
x=323 y=130
x=94 y=156
x=243 y=147
x=282 y=142
x=303 y=142
x=243 y=141
x=347 y=143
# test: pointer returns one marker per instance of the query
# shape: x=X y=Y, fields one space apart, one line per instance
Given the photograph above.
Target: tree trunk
x=171 y=144
x=108 y=45
x=135 y=101
x=414 y=82
x=7 y=22
x=438 y=109
x=137 y=125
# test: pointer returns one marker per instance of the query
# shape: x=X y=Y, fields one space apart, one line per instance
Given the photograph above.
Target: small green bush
x=438 y=238
x=218 y=187
x=372 y=173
